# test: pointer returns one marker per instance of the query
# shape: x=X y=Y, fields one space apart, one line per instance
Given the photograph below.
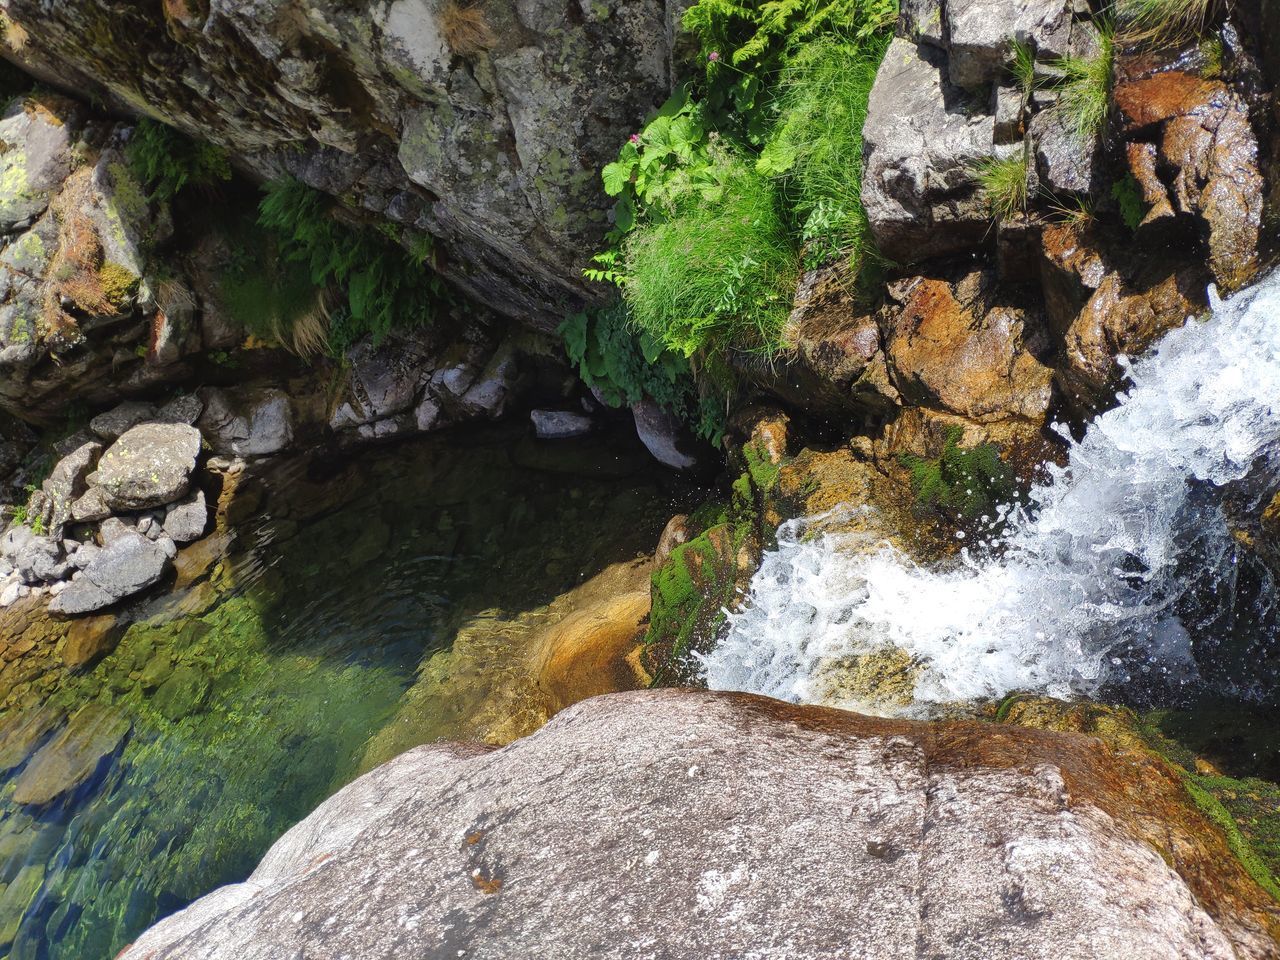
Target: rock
x=979 y=34
x=738 y=825
x=124 y=566
x=1205 y=166
x=560 y=424
x=920 y=147
x=91 y=639
x=946 y=347
x=14 y=539
x=23 y=732
x=676 y=532
x=663 y=435
x=113 y=528
x=183 y=693
x=67 y=482
x=1066 y=162
x=10 y=592
x=149 y=466
x=91 y=737
x=38 y=160
x=253 y=423
x=491 y=145
x=384 y=381
x=185 y=521
x=184 y=409
x=121 y=418
x=91 y=507
x=41 y=560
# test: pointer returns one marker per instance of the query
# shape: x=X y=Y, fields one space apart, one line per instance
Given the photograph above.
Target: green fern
x=169 y=162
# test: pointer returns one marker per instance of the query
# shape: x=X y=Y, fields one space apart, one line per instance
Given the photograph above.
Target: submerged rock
x=93 y=734
x=737 y=825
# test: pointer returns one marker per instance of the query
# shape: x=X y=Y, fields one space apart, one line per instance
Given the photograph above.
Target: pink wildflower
x=714 y=56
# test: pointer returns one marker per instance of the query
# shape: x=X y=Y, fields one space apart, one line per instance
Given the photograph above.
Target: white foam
x=1054 y=610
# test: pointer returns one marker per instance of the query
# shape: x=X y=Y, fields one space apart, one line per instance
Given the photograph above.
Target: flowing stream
x=249 y=697
x=1119 y=570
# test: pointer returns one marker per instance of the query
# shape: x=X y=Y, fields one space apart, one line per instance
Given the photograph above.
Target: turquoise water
x=252 y=695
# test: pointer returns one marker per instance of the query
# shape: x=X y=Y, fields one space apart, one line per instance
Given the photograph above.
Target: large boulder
x=149 y=466
x=247 y=423
x=739 y=826
x=921 y=144
x=127 y=565
x=481 y=124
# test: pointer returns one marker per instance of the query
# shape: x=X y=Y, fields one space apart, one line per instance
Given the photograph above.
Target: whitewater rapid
x=1095 y=574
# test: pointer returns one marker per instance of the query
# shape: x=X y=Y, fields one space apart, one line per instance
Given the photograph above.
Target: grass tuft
x=1161 y=22
x=1002 y=184
x=1022 y=68
x=465 y=28
x=1084 y=98
x=719 y=270
x=816 y=148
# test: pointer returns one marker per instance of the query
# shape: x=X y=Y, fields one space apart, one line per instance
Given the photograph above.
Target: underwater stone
x=73 y=757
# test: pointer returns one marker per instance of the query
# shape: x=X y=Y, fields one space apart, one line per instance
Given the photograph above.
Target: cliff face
x=483 y=127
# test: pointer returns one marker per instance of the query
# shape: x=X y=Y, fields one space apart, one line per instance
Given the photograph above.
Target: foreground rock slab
x=685 y=824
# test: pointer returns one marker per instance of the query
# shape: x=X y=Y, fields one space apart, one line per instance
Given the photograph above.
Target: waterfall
x=1116 y=568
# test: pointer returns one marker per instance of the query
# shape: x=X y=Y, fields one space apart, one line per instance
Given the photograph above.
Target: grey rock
x=145 y=524
x=14 y=539
x=125 y=566
x=384 y=381
x=9 y=592
x=253 y=423
x=1007 y=107
x=85 y=555
x=149 y=466
x=663 y=435
x=167 y=546
x=979 y=33
x=185 y=521
x=91 y=507
x=921 y=21
x=121 y=418
x=733 y=827
x=560 y=424
x=113 y=528
x=67 y=482
x=184 y=409
x=920 y=144
x=1066 y=162
x=41 y=560
x=36 y=162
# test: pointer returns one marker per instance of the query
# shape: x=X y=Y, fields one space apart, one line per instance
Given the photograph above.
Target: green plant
x=169 y=161
x=815 y=149
x=1162 y=21
x=1085 y=93
x=625 y=365
x=1022 y=68
x=1002 y=184
x=1128 y=196
x=969 y=482
x=312 y=282
x=720 y=270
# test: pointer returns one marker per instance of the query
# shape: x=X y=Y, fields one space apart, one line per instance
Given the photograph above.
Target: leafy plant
x=314 y=281
x=1133 y=210
x=815 y=149
x=1002 y=184
x=1085 y=94
x=169 y=161
x=625 y=366
x=720 y=270
x=967 y=481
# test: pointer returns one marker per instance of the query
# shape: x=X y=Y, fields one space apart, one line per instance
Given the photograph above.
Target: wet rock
x=1206 y=162
x=675 y=533
x=252 y=423
x=23 y=732
x=183 y=693
x=799 y=829
x=560 y=424
x=920 y=146
x=1066 y=162
x=185 y=521
x=664 y=435
x=947 y=346
x=90 y=639
x=121 y=418
x=149 y=466
x=124 y=566
x=73 y=757
x=384 y=381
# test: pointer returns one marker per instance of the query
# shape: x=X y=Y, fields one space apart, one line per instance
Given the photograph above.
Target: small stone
x=185 y=409
x=116 y=421
x=112 y=529
x=166 y=544
x=9 y=593
x=185 y=521
x=559 y=424
x=91 y=507
x=145 y=524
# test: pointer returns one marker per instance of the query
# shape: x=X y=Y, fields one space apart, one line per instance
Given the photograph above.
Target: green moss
x=965 y=482
x=1202 y=791
x=119 y=283
x=1128 y=197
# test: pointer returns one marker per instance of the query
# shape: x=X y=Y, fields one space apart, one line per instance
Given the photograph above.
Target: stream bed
x=233 y=705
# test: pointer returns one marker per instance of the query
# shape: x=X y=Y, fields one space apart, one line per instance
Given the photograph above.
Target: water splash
x=1117 y=570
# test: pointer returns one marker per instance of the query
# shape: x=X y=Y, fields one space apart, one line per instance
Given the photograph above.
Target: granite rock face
x=739 y=826
x=483 y=126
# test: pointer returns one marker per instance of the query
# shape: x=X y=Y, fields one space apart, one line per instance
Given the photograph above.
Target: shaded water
x=252 y=695
x=1121 y=570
